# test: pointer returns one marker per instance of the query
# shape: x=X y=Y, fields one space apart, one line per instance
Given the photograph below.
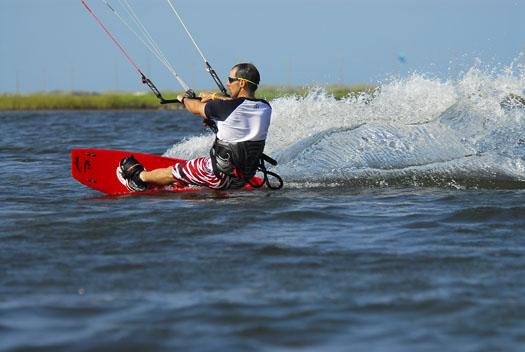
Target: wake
x=414 y=131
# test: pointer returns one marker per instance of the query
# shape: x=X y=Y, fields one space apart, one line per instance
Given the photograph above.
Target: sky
x=50 y=45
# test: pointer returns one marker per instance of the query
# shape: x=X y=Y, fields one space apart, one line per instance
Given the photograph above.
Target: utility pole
x=341 y=70
x=72 y=78
x=193 y=67
x=288 y=65
x=44 y=79
x=115 y=76
x=17 y=80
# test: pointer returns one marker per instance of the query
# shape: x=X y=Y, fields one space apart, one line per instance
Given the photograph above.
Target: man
x=241 y=122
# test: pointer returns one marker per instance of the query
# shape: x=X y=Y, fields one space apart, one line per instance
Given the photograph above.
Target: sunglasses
x=233 y=79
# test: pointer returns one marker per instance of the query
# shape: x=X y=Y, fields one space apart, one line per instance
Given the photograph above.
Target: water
x=401 y=228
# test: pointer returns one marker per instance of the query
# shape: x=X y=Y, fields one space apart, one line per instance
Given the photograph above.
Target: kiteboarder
x=241 y=123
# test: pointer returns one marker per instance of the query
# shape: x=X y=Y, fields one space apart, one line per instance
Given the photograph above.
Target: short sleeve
x=219 y=110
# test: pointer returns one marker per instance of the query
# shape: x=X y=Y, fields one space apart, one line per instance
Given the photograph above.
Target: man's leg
x=197 y=171
x=136 y=178
x=158 y=176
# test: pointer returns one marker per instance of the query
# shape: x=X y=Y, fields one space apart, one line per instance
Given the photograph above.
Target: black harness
x=242 y=160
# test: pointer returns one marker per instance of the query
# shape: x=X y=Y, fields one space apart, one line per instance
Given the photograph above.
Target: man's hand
x=206 y=96
x=189 y=94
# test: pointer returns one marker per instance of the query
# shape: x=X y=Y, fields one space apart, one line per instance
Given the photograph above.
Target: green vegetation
x=338 y=91
x=132 y=101
x=78 y=101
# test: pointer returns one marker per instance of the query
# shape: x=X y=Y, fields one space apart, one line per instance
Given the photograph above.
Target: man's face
x=235 y=86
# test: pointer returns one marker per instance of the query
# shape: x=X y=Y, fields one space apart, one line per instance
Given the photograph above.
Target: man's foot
x=130 y=170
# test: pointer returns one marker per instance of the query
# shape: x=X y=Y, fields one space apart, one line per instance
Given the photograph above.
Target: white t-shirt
x=240 y=119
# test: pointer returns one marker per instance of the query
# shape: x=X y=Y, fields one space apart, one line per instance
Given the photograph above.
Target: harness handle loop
x=268 y=183
x=265 y=172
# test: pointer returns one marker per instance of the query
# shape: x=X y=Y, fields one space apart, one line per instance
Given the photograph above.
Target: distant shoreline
x=145 y=101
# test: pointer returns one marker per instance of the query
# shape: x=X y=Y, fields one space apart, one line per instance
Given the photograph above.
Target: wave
x=418 y=131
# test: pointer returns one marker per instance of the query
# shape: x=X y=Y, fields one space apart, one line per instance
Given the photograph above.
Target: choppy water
x=401 y=228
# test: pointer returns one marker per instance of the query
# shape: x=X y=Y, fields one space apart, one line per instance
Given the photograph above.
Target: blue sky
x=56 y=44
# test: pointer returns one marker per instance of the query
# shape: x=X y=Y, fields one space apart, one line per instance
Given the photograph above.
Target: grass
x=77 y=101
x=133 y=101
x=338 y=91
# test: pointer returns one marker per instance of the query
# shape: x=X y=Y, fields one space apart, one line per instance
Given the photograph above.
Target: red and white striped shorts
x=199 y=172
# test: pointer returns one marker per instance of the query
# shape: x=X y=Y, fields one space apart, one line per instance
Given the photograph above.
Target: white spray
x=418 y=128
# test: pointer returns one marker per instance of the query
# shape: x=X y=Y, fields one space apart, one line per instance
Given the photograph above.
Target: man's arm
x=195 y=106
x=207 y=96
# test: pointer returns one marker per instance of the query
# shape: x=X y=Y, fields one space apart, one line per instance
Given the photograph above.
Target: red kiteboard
x=97 y=169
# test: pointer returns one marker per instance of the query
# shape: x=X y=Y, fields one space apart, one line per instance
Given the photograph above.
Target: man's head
x=243 y=80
